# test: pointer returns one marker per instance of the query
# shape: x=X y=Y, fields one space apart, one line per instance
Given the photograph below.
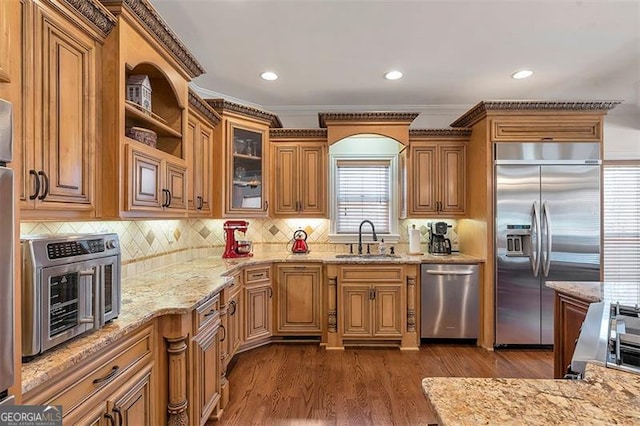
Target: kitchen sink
x=367 y=256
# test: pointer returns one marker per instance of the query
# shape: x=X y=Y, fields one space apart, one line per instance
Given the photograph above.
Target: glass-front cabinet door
x=247 y=168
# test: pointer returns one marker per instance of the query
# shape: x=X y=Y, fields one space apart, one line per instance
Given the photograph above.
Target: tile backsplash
x=149 y=244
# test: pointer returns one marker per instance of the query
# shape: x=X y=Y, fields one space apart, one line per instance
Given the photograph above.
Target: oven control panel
x=63 y=249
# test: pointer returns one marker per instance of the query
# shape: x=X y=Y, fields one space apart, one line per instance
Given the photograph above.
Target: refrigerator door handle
x=535 y=239
x=546 y=214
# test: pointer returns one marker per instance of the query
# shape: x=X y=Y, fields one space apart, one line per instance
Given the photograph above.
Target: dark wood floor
x=304 y=384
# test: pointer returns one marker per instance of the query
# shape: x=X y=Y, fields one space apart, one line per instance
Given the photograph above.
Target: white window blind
x=621 y=218
x=362 y=192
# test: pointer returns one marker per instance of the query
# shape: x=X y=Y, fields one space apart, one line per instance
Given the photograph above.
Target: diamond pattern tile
x=204 y=232
x=274 y=230
x=150 y=237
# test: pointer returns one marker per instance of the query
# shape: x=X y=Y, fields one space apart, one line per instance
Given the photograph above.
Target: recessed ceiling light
x=268 y=75
x=393 y=75
x=522 y=74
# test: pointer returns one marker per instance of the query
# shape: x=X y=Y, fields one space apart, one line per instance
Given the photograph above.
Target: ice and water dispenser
x=519 y=240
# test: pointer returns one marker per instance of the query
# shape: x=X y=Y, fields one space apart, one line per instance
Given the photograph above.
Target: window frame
x=394 y=193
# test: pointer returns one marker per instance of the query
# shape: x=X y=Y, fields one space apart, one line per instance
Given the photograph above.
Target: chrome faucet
x=373 y=229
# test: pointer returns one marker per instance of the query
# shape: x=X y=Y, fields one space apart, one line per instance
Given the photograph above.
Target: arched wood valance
x=394 y=125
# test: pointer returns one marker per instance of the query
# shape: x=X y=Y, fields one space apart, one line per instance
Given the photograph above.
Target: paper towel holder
x=413 y=235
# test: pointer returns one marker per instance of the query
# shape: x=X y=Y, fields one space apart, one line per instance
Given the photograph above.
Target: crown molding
x=447 y=133
x=212 y=94
x=95 y=13
x=323 y=117
x=480 y=110
x=297 y=133
x=203 y=108
x=153 y=22
x=223 y=105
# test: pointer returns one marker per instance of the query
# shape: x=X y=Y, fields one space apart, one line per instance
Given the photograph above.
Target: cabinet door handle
x=266 y=205
x=235 y=308
x=224 y=336
x=112 y=373
x=374 y=293
x=109 y=417
x=45 y=180
x=164 y=197
x=170 y=198
x=36 y=181
x=270 y=292
x=118 y=411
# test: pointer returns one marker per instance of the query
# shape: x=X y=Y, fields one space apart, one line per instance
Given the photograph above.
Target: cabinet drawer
x=206 y=313
x=256 y=275
x=367 y=274
x=99 y=371
x=547 y=129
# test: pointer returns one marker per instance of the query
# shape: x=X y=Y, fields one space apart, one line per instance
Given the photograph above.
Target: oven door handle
x=92 y=298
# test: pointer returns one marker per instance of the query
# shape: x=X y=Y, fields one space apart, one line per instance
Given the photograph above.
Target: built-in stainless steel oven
x=71 y=285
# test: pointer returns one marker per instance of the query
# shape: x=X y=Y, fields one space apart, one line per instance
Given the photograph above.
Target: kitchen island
x=604 y=396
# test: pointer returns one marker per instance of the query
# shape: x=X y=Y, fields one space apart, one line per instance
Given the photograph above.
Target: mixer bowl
x=244 y=247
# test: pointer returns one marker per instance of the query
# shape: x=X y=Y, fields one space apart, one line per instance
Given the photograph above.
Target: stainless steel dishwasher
x=449 y=301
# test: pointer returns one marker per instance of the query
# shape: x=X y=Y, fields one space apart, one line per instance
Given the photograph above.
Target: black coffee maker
x=438 y=244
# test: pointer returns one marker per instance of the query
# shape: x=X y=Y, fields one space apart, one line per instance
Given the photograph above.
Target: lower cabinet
x=209 y=336
x=372 y=311
x=372 y=304
x=258 y=295
x=298 y=299
x=569 y=314
x=114 y=387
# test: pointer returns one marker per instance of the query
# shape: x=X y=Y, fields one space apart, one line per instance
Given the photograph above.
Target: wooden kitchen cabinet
x=547 y=129
x=298 y=299
x=147 y=179
x=242 y=158
x=207 y=361
x=299 y=186
x=258 y=296
x=569 y=315
x=437 y=178
x=155 y=181
x=371 y=302
x=120 y=381
x=62 y=48
x=199 y=149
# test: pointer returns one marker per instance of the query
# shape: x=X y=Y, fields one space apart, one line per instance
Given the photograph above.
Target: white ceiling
x=331 y=54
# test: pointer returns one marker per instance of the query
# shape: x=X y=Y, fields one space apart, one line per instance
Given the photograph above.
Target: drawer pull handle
x=211 y=312
x=112 y=373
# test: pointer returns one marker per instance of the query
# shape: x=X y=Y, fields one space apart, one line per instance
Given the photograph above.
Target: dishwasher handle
x=436 y=272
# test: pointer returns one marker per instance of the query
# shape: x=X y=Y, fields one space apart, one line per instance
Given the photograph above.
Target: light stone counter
x=605 y=396
x=179 y=289
x=624 y=292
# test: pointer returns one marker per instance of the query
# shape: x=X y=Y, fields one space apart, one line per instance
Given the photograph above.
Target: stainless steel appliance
x=449 y=301
x=439 y=245
x=610 y=336
x=6 y=255
x=547 y=227
x=71 y=285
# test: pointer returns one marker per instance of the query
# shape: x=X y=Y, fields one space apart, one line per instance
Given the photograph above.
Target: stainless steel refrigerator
x=547 y=228
x=7 y=242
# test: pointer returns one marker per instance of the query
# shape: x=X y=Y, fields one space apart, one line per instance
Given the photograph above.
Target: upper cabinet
x=199 y=151
x=6 y=33
x=436 y=184
x=243 y=158
x=146 y=128
x=62 y=50
x=299 y=172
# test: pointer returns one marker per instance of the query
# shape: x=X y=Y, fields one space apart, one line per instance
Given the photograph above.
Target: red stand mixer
x=236 y=248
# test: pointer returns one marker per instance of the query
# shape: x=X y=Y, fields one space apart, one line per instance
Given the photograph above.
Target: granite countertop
x=605 y=396
x=179 y=289
x=596 y=291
